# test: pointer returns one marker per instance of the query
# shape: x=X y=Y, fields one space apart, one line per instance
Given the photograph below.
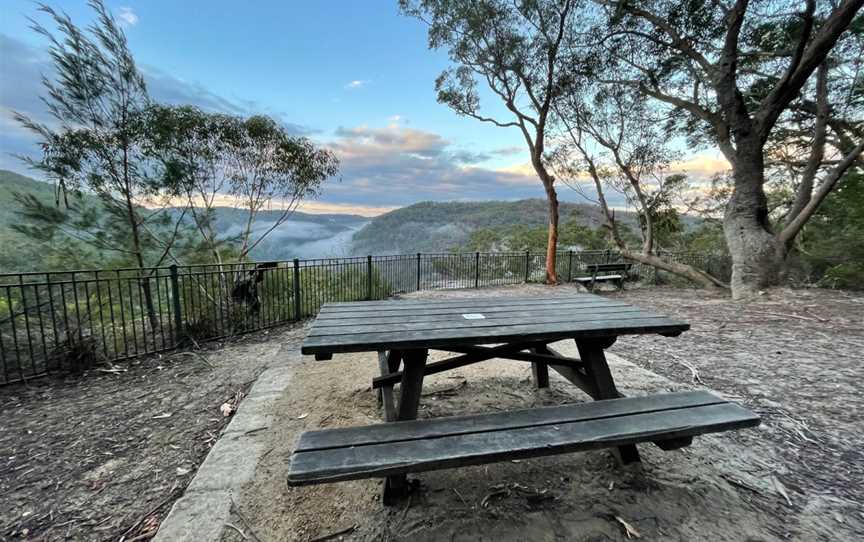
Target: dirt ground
x=103 y=456
x=791 y=356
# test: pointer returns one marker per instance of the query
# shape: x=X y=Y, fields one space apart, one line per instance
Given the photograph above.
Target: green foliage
x=97 y=143
x=833 y=240
x=666 y=219
x=21 y=252
x=84 y=233
x=707 y=238
x=571 y=236
x=346 y=283
x=512 y=47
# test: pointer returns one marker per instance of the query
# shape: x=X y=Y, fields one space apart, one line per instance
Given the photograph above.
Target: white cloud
x=320 y=207
x=393 y=165
x=127 y=16
x=357 y=83
x=701 y=166
x=395 y=118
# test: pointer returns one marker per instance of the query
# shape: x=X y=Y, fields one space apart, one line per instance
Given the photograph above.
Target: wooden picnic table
x=480 y=329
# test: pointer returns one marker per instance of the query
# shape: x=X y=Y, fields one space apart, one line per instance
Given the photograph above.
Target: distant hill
x=13 y=182
x=18 y=253
x=437 y=227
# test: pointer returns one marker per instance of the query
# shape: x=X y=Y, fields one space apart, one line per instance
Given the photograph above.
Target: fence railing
x=70 y=319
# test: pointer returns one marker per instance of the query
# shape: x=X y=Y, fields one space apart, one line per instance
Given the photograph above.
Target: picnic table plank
x=469 y=335
x=401 y=457
x=458 y=322
x=342 y=312
x=393 y=308
x=437 y=315
x=420 y=309
x=514 y=419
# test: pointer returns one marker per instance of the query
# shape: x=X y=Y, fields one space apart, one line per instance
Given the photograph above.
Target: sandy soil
x=104 y=455
x=791 y=356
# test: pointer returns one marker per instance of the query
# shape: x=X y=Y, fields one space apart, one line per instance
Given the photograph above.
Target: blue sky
x=355 y=76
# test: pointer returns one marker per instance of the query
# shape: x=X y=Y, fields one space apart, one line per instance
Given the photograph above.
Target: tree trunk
x=756 y=254
x=552 y=199
x=143 y=278
x=698 y=276
x=552 y=242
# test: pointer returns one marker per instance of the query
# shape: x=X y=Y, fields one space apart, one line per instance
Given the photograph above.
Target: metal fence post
x=369 y=277
x=418 y=271
x=296 y=289
x=570 y=266
x=476 y=269
x=527 y=263
x=175 y=298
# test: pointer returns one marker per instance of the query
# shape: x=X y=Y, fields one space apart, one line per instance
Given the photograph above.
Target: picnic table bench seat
x=611 y=272
x=669 y=420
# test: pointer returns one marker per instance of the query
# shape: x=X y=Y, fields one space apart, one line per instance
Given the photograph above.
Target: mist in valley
x=300 y=239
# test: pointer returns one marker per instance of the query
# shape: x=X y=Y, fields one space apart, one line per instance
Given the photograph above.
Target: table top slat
x=420 y=311
x=552 y=318
x=385 y=325
x=374 y=318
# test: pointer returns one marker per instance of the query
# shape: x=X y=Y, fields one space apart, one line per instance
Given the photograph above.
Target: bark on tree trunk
x=756 y=253
x=552 y=241
x=552 y=199
x=139 y=259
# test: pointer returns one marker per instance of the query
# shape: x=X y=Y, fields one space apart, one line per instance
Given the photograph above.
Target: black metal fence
x=70 y=319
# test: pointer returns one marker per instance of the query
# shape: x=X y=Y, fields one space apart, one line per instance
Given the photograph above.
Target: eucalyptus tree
x=193 y=145
x=94 y=141
x=734 y=72
x=516 y=51
x=269 y=169
x=615 y=142
x=253 y=164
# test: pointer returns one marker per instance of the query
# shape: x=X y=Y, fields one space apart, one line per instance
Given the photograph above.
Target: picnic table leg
x=396 y=487
x=385 y=393
x=388 y=362
x=540 y=370
x=592 y=354
x=393 y=360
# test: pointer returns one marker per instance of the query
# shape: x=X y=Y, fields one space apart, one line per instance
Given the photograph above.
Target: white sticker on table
x=473 y=316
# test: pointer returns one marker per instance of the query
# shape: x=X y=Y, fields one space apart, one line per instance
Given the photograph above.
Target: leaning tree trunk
x=756 y=253
x=689 y=272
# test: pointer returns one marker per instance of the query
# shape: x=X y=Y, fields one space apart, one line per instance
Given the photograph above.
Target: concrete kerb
x=201 y=513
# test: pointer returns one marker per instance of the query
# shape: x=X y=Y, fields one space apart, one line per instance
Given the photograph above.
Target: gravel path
x=104 y=455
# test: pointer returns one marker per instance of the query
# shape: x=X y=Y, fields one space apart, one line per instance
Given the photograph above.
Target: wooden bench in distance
x=333 y=455
x=618 y=270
